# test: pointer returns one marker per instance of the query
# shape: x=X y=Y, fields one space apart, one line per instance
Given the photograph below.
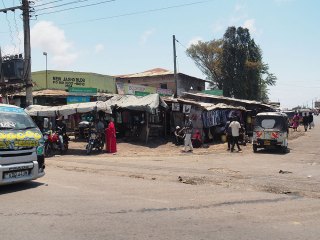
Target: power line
x=43 y=4
x=61 y=5
x=137 y=12
x=17 y=31
x=181 y=44
x=67 y=9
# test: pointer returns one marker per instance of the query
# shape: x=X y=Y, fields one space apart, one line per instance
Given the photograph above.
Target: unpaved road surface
x=165 y=194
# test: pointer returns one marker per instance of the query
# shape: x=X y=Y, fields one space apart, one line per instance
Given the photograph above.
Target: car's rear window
x=268 y=123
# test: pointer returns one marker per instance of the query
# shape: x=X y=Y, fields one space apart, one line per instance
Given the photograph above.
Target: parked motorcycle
x=95 y=142
x=52 y=143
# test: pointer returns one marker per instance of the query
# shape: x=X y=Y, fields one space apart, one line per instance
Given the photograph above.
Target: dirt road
x=162 y=194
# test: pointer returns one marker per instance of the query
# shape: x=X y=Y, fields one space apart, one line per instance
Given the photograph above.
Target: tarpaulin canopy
x=65 y=110
x=41 y=111
x=146 y=103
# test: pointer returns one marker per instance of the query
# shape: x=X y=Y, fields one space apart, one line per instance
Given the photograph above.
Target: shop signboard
x=63 y=80
x=164 y=92
x=82 y=91
x=215 y=92
x=176 y=107
x=77 y=99
x=138 y=93
x=133 y=89
x=186 y=108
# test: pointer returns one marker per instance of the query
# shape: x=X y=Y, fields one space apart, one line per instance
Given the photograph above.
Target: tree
x=234 y=64
x=207 y=57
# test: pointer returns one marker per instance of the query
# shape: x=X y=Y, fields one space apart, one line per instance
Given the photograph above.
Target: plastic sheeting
x=146 y=103
x=65 y=110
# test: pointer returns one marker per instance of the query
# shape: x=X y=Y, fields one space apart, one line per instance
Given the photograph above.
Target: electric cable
x=61 y=5
x=133 y=13
x=17 y=32
x=72 y=8
x=11 y=34
x=43 y=4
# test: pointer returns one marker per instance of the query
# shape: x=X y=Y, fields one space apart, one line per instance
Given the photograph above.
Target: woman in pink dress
x=296 y=121
x=111 y=143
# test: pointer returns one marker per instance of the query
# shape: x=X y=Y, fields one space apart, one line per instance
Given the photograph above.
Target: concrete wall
x=185 y=82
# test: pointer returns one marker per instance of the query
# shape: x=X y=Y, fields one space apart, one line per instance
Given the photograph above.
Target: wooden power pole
x=27 y=52
x=175 y=65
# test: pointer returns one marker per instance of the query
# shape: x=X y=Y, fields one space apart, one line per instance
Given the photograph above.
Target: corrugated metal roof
x=186 y=94
x=210 y=106
x=46 y=92
x=148 y=73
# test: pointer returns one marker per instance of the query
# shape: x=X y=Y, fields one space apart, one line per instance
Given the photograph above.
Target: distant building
x=66 y=80
x=317 y=104
x=64 y=87
x=162 y=81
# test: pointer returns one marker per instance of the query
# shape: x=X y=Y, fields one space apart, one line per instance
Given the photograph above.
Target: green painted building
x=64 y=80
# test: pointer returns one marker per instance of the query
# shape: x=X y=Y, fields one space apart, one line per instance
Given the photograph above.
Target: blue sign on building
x=77 y=99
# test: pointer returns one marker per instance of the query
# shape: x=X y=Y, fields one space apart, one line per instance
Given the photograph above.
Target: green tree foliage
x=207 y=57
x=234 y=64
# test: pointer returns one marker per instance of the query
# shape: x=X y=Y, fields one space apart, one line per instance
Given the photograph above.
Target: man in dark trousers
x=228 y=133
x=235 y=131
x=310 y=120
x=305 y=121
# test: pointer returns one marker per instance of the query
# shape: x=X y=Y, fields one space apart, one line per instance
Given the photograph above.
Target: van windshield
x=15 y=120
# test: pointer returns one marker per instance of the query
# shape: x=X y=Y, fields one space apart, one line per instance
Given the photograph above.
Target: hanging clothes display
x=218 y=117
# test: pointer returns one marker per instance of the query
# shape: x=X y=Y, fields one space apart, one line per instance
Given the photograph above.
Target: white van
x=21 y=146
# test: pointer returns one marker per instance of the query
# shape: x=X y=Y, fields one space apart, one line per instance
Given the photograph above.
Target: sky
x=128 y=36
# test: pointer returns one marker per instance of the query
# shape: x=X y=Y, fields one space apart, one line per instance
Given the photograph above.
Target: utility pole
x=1 y=76
x=27 y=52
x=175 y=65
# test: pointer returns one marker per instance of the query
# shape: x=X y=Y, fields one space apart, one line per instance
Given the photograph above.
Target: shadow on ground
x=17 y=187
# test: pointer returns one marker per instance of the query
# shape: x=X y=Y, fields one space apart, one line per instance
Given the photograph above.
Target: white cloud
x=99 y=48
x=237 y=16
x=195 y=40
x=239 y=7
x=146 y=35
x=219 y=26
x=51 y=39
x=251 y=25
x=283 y=1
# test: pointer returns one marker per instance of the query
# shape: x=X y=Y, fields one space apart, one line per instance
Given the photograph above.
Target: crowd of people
x=183 y=135
x=307 y=121
x=234 y=132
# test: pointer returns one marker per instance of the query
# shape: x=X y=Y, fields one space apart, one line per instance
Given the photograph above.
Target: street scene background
x=169 y=195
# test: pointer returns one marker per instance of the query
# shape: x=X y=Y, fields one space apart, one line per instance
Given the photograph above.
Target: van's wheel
x=284 y=149
x=48 y=150
x=88 y=149
x=255 y=148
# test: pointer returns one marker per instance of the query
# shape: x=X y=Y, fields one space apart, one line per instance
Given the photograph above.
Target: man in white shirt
x=235 y=129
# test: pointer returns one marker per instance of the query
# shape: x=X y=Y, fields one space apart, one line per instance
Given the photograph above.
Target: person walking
x=188 y=131
x=296 y=122
x=228 y=133
x=235 y=131
x=305 y=121
x=179 y=135
x=310 y=118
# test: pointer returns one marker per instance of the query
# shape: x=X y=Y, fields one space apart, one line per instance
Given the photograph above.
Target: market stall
x=139 y=117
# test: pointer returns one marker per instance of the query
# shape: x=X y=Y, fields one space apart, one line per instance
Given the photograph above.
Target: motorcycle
x=95 y=142
x=52 y=143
